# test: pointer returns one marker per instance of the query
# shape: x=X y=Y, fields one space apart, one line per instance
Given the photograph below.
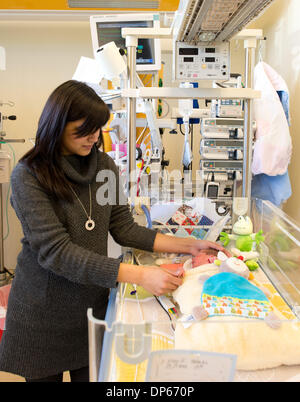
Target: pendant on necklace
x=89 y=224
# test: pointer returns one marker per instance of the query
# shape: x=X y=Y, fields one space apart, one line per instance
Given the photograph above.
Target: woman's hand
x=178 y=245
x=154 y=279
x=198 y=246
x=158 y=281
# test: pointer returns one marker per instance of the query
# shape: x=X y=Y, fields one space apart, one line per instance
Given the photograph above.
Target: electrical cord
x=147 y=214
x=204 y=187
x=170 y=318
x=190 y=129
x=226 y=209
x=149 y=79
x=142 y=134
x=9 y=273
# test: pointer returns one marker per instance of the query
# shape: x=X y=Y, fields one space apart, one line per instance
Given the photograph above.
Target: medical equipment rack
x=247 y=94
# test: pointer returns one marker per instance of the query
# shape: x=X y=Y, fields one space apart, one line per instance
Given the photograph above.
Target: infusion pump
x=222 y=128
x=221 y=149
x=205 y=62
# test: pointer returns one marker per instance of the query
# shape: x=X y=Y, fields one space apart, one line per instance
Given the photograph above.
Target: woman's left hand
x=173 y=244
x=198 y=246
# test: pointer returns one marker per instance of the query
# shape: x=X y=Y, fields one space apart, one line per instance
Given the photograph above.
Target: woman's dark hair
x=71 y=101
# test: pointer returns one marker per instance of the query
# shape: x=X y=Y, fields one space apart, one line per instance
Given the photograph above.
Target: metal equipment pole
x=250 y=46
x=131 y=44
x=3 y=279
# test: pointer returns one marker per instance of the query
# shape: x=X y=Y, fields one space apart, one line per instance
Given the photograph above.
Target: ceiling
x=81 y=5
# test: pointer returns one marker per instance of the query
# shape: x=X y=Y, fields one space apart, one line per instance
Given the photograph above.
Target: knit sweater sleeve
x=49 y=239
x=122 y=227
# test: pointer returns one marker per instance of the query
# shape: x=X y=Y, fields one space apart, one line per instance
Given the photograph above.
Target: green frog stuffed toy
x=244 y=238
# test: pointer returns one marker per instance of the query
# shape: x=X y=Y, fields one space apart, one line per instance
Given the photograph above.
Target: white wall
x=40 y=56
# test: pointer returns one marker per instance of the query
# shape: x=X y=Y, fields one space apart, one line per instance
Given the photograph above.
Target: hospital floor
x=7 y=377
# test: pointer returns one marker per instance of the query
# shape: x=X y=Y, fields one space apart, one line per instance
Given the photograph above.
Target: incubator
x=148 y=338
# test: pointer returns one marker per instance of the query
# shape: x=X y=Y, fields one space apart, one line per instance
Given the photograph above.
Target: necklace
x=90 y=223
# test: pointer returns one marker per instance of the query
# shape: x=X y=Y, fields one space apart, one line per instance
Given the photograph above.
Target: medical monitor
x=108 y=28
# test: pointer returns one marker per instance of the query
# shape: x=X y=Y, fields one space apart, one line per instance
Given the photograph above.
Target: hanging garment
x=273 y=145
x=275 y=188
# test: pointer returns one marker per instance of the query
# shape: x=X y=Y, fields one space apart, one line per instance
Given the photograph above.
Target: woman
x=63 y=268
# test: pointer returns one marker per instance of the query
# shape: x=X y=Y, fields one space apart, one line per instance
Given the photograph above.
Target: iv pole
x=250 y=37
x=3 y=271
x=3 y=276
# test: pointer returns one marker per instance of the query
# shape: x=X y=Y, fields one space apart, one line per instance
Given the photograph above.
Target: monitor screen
x=111 y=32
x=108 y=28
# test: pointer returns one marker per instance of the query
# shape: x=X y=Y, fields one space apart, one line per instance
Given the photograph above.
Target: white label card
x=190 y=366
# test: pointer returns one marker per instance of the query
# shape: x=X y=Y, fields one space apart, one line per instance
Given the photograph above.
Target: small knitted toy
x=244 y=239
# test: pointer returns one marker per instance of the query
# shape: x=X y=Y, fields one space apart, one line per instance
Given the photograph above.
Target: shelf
x=191 y=93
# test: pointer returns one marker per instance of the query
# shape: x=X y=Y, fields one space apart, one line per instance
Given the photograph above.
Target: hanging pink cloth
x=273 y=145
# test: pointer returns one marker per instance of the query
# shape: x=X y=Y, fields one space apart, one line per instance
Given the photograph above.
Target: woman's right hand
x=158 y=281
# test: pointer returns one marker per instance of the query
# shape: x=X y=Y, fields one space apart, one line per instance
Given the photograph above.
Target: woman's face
x=72 y=144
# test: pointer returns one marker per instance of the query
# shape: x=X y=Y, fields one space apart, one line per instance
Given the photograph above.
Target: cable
x=204 y=187
x=170 y=318
x=9 y=273
x=145 y=84
x=219 y=205
x=147 y=214
x=181 y=129
x=220 y=85
x=12 y=150
x=142 y=133
x=6 y=212
x=146 y=139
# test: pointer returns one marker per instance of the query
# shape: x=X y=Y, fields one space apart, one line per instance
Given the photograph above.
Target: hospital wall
x=40 y=56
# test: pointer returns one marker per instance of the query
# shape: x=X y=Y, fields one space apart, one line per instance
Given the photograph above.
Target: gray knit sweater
x=63 y=269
